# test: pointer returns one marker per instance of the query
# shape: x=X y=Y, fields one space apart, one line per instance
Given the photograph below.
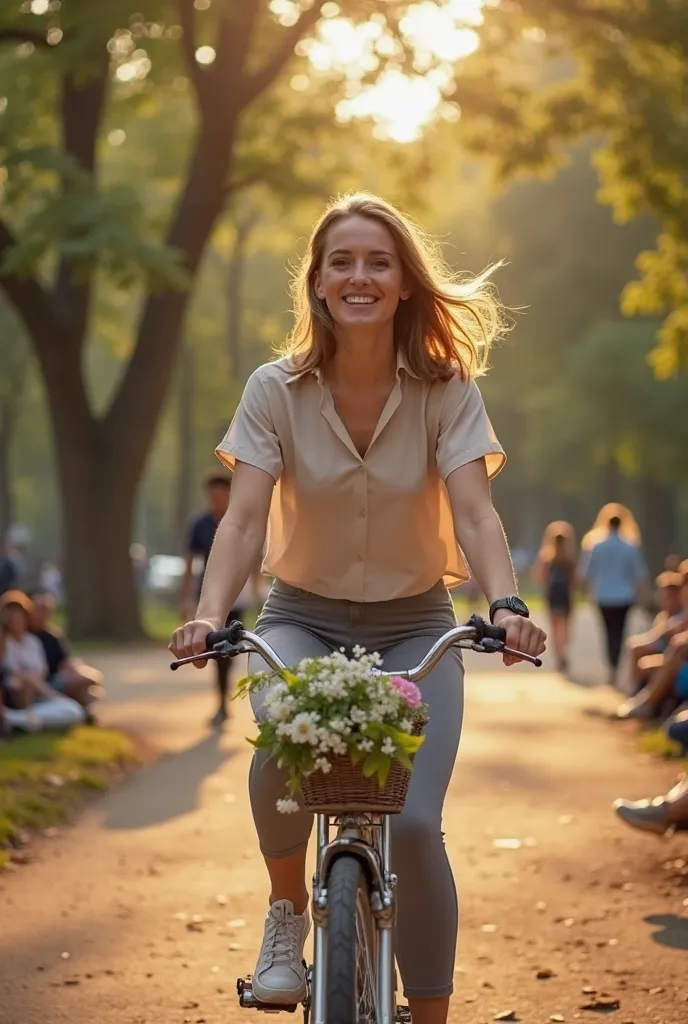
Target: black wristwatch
x=512 y=604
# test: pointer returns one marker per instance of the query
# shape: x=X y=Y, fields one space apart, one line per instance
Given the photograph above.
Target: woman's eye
x=380 y=264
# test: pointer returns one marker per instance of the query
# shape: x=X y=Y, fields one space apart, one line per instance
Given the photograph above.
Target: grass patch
x=657 y=743
x=43 y=777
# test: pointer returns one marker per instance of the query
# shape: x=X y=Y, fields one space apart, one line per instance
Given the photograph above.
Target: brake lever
x=223 y=650
x=489 y=646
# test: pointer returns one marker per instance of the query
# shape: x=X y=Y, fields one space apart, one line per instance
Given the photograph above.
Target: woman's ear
x=405 y=292
x=318 y=287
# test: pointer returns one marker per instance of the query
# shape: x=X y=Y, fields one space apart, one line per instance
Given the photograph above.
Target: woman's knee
x=415 y=836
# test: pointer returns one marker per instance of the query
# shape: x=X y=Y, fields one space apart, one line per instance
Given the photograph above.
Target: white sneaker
x=280 y=976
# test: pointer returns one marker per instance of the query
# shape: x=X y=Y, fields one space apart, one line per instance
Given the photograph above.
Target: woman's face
x=361 y=277
x=15 y=620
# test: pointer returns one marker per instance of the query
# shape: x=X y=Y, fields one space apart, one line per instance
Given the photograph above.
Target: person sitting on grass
x=647 y=649
x=26 y=667
x=67 y=675
x=668 y=685
x=661 y=814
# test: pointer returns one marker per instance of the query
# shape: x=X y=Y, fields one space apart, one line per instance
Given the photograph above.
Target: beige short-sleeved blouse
x=360 y=529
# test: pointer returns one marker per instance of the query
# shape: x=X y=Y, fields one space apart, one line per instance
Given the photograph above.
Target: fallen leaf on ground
x=544 y=973
x=506 y=1015
x=557 y=1018
x=507 y=844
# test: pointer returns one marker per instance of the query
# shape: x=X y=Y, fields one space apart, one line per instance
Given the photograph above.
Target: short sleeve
x=251 y=437
x=465 y=432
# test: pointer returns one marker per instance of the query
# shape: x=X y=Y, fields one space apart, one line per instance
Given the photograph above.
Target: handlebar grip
x=494 y=632
x=232 y=633
x=486 y=630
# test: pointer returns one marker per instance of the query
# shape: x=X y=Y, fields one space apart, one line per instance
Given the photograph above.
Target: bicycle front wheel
x=351 y=946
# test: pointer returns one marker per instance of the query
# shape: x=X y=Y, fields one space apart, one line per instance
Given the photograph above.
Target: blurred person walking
x=613 y=571
x=555 y=571
x=201 y=534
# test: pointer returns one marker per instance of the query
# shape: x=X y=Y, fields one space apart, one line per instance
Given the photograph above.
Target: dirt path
x=148 y=909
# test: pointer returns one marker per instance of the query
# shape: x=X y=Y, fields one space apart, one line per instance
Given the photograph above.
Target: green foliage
x=627 y=84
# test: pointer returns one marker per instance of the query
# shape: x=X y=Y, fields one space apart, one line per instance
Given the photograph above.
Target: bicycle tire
x=351 y=979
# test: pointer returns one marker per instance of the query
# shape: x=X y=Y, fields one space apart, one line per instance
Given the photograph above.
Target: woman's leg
x=279 y=975
x=427 y=910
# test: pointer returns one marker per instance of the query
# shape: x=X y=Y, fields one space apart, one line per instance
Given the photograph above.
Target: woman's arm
x=235 y=551
x=480 y=533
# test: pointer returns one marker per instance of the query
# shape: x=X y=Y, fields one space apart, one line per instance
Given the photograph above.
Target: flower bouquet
x=345 y=733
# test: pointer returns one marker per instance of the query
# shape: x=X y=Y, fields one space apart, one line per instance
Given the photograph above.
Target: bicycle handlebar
x=477 y=634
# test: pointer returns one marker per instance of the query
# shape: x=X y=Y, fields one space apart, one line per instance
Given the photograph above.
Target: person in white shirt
x=26 y=668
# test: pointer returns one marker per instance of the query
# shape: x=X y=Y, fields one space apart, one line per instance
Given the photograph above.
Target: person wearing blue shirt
x=613 y=571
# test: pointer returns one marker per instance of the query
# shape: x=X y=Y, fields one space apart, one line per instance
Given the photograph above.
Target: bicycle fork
x=377 y=861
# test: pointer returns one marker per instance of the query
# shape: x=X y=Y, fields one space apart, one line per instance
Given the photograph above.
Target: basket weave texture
x=345 y=789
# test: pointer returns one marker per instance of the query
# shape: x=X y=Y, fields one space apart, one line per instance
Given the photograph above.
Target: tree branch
x=187 y=17
x=82 y=110
x=32 y=301
x=259 y=81
x=21 y=35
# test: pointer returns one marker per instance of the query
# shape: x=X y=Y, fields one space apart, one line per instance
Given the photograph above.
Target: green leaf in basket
x=404 y=741
x=355 y=754
x=289 y=678
x=372 y=763
x=403 y=758
x=383 y=770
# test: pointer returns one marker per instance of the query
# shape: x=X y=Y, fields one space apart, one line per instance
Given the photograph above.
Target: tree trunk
x=98 y=498
x=185 y=426
x=658 y=516
x=6 y=492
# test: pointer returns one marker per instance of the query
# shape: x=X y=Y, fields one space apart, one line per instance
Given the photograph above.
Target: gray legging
x=299 y=624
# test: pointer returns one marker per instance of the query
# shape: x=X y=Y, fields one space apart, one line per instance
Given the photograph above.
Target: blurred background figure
x=50 y=580
x=661 y=814
x=26 y=685
x=614 y=573
x=67 y=674
x=217 y=489
x=555 y=571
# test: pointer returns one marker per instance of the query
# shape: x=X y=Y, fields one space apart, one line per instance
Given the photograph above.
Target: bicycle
x=353 y=977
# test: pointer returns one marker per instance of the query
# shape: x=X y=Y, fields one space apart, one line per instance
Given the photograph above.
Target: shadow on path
x=168 y=789
x=672 y=930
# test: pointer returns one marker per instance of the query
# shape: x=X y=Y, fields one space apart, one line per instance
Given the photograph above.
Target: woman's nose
x=359 y=273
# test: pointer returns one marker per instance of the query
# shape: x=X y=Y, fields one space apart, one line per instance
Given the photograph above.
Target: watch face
x=518 y=606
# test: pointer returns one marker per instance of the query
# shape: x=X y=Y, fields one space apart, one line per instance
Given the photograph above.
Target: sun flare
x=399 y=104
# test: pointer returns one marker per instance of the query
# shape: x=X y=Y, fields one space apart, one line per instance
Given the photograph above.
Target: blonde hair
x=445 y=325
x=559 y=530
x=601 y=528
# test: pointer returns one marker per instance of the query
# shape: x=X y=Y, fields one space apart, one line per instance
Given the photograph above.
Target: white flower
x=405 y=725
x=366 y=745
x=389 y=746
x=288 y=806
x=323 y=764
x=303 y=727
x=357 y=716
x=359 y=651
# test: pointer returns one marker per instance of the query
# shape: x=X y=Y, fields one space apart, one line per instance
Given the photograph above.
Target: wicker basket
x=345 y=789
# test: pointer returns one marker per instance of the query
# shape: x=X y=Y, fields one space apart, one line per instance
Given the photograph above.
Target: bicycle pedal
x=403 y=1015
x=248 y=1001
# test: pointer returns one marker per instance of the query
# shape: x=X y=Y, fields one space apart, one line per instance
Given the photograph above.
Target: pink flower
x=408 y=690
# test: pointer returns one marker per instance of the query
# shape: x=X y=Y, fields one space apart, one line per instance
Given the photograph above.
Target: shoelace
x=281 y=943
